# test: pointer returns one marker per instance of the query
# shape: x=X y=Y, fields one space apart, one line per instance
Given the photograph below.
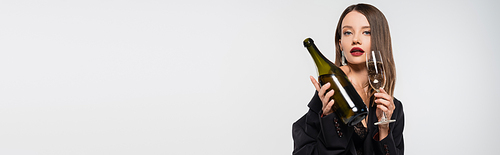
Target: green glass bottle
x=349 y=106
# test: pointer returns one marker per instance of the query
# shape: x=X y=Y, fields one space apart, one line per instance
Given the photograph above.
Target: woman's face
x=355 y=40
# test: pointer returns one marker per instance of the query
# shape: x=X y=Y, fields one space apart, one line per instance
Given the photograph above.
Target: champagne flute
x=376 y=77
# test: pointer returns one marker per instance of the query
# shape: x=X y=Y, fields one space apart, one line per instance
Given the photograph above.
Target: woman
x=361 y=28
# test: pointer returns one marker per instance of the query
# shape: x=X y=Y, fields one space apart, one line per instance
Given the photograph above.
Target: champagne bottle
x=349 y=106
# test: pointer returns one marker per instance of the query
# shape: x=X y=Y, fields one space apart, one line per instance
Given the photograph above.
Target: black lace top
x=359 y=137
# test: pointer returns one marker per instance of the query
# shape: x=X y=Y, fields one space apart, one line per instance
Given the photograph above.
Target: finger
x=315 y=83
x=388 y=113
x=328 y=96
x=328 y=106
x=330 y=93
x=383 y=108
x=323 y=89
x=382 y=90
x=383 y=102
x=383 y=95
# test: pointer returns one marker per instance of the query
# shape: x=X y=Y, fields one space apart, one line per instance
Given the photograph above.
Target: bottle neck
x=324 y=65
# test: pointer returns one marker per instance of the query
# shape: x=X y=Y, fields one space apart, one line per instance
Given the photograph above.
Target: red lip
x=356 y=51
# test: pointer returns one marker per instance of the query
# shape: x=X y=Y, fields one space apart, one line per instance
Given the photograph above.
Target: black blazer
x=316 y=135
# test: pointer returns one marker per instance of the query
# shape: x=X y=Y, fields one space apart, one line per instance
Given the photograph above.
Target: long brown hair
x=380 y=40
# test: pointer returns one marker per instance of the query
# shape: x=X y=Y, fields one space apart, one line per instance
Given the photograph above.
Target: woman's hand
x=325 y=98
x=385 y=103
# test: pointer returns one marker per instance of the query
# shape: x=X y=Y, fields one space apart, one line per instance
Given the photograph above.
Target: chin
x=357 y=62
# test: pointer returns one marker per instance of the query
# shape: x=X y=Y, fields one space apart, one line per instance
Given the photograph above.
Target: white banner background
x=228 y=77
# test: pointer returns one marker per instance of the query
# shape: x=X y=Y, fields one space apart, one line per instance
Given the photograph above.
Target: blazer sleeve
x=313 y=134
x=393 y=144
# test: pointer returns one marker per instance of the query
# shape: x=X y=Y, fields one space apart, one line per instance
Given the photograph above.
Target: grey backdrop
x=228 y=77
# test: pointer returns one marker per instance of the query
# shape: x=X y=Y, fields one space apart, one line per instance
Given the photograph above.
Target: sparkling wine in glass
x=376 y=77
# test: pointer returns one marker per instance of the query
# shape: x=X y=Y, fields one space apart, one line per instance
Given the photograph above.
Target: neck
x=358 y=72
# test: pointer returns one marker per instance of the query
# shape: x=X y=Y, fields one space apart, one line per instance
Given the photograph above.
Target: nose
x=355 y=40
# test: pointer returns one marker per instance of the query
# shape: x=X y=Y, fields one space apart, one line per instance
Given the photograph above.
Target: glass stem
x=383 y=112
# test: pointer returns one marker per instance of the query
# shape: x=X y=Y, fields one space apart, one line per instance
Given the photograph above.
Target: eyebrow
x=363 y=27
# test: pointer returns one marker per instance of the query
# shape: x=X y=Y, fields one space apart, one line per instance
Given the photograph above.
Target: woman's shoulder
x=396 y=101
x=398 y=104
x=345 y=69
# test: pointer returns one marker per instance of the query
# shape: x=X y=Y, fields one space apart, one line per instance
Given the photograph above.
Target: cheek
x=344 y=46
x=368 y=44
